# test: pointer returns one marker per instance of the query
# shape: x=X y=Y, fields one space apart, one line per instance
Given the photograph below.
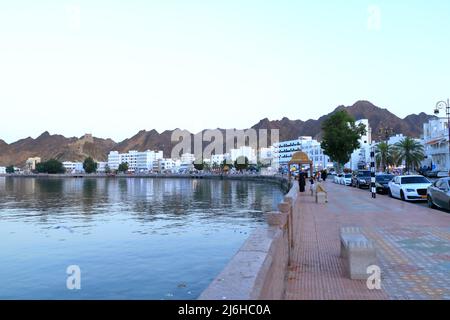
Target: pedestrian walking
x=324 y=175
x=302 y=181
x=312 y=186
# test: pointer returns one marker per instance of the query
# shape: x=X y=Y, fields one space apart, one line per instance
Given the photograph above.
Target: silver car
x=438 y=194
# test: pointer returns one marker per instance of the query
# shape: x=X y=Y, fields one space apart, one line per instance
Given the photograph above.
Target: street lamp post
x=440 y=106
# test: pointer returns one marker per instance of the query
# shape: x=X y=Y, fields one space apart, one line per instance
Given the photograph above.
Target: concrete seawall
x=258 y=270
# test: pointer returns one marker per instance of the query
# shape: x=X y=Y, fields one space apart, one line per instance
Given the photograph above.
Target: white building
x=114 y=160
x=266 y=155
x=164 y=165
x=243 y=151
x=435 y=140
x=187 y=158
x=137 y=161
x=73 y=167
x=360 y=158
x=218 y=159
x=284 y=150
x=101 y=167
x=2 y=170
x=396 y=139
x=146 y=159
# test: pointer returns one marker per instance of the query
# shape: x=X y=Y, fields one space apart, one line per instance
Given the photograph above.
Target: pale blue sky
x=112 y=68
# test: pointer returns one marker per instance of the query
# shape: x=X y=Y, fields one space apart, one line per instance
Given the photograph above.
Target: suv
x=361 y=179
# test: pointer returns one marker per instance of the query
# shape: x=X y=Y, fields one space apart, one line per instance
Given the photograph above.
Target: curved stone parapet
x=258 y=270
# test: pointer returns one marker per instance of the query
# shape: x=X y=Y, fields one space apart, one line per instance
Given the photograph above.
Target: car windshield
x=384 y=178
x=412 y=180
x=348 y=176
x=364 y=174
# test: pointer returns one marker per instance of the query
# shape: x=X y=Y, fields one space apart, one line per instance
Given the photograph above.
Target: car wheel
x=402 y=195
x=390 y=193
x=430 y=203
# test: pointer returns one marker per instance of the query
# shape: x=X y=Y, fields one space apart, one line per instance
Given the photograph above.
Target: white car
x=409 y=188
x=346 y=179
x=337 y=178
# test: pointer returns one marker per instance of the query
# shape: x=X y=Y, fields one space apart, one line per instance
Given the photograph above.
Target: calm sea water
x=131 y=238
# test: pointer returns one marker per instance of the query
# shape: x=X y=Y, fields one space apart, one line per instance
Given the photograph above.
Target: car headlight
x=378 y=185
x=410 y=190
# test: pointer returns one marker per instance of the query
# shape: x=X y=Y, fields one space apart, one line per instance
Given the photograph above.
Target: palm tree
x=410 y=151
x=384 y=154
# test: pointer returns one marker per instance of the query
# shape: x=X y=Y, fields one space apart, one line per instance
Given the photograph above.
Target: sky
x=112 y=68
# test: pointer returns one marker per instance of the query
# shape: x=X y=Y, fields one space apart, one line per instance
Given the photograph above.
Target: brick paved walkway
x=412 y=241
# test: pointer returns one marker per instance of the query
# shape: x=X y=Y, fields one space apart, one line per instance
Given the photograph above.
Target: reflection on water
x=132 y=238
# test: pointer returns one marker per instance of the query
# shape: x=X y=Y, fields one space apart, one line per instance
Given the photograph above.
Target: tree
x=241 y=163
x=51 y=166
x=340 y=136
x=226 y=164
x=409 y=151
x=10 y=169
x=199 y=166
x=89 y=165
x=384 y=155
x=215 y=166
x=123 y=167
x=107 y=169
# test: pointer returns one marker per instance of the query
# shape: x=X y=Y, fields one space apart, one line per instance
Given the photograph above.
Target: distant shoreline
x=277 y=179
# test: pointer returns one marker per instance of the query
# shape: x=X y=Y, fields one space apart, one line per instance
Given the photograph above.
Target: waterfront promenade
x=412 y=242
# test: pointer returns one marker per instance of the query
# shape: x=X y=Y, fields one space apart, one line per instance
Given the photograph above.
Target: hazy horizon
x=113 y=69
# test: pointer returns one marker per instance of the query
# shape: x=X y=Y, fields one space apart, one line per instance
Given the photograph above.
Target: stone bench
x=358 y=252
x=321 y=194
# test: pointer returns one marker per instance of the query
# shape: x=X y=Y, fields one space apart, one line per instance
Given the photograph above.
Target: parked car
x=438 y=194
x=431 y=174
x=337 y=178
x=409 y=188
x=382 y=183
x=361 y=179
x=346 y=179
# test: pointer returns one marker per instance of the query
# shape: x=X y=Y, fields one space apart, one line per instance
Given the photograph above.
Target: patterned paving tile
x=413 y=247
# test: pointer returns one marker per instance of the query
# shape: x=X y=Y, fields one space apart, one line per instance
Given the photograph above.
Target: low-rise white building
x=73 y=167
x=218 y=159
x=284 y=150
x=2 y=170
x=164 y=165
x=243 y=151
x=360 y=158
x=101 y=167
x=137 y=161
x=187 y=158
x=435 y=140
x=396 y=139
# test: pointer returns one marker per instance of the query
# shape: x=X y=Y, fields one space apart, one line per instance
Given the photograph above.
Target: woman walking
x=302 y=181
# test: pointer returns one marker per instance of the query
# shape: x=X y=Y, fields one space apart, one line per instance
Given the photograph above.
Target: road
x=417 y=203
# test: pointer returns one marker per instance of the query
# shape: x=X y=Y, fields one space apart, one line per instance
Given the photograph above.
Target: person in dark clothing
x=324 y=175
x=302 y=181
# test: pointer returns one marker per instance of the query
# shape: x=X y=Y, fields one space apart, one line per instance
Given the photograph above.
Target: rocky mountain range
x=56 y=146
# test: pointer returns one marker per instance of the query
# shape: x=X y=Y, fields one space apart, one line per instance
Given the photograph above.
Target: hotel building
x=137 y=161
